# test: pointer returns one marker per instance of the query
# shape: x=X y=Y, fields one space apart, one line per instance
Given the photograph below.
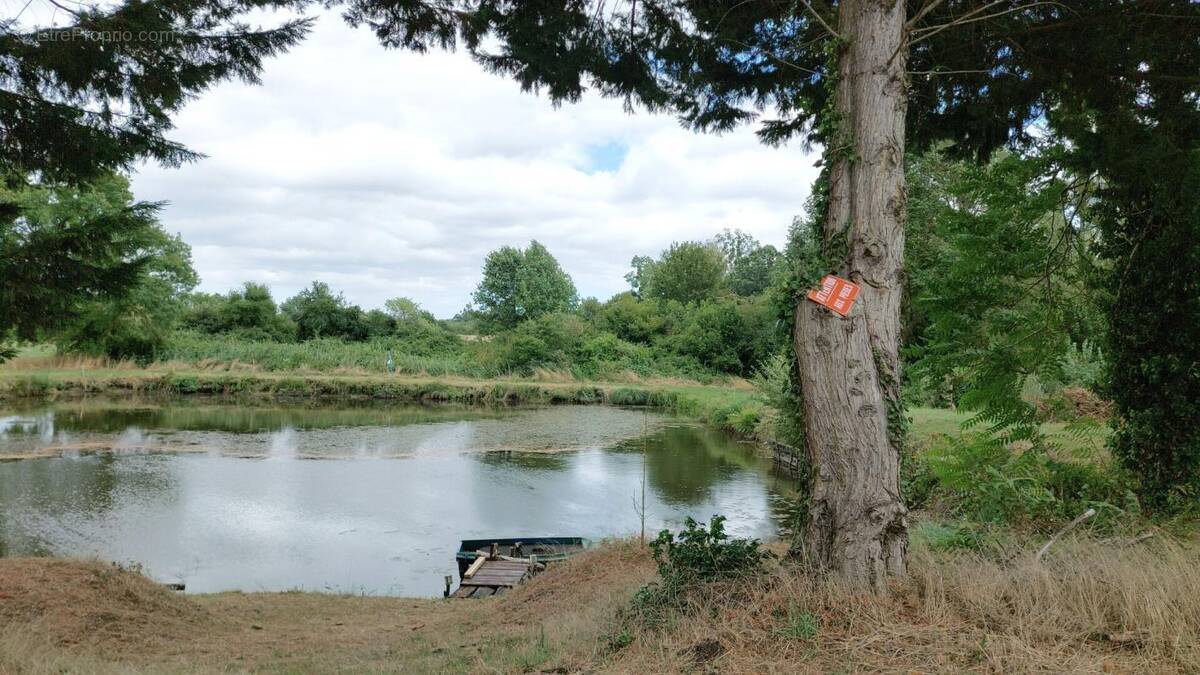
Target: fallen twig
x=1139 y=539
x=1070 y=526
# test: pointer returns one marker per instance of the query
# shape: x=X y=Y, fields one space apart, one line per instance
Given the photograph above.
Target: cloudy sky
x=390 y=173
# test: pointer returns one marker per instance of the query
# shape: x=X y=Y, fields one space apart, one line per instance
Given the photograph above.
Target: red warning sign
x=836 y=294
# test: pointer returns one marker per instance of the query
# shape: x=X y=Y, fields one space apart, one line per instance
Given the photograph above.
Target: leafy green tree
x=639 y=277
x=1117 y=83
x=91 y=268
x=378 y=323
x=405 y=309
x=318 y=313
x=519 y=285
x=749 y=263
x=730 y=336
x=252 y=307
x=549 y=341
x=686 y=272
x=418 y=331
x=590 y=308
x=1007 y=264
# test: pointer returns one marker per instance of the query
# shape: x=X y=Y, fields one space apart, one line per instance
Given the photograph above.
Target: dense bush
x=319 y=312
x=700 y=553
x=729 y=336
x=981 y=478
x=126 y=334
x=686 y=562
x=686 y=272
x=249 y=313
x=632 y=319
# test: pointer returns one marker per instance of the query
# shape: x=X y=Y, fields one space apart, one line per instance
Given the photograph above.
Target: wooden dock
x=493 y=577
x=787 y=459
x=492 y=573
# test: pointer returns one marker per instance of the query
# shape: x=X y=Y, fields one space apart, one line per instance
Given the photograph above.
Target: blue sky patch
x=605 y=157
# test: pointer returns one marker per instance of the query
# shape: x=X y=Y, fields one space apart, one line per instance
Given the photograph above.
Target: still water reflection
x=232 y=497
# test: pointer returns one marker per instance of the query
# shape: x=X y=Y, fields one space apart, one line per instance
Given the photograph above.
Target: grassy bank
x=1091 y=606
x=53 y=383
x=733 y=406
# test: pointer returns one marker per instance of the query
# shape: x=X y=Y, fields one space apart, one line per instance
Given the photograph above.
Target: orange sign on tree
x=836 y=294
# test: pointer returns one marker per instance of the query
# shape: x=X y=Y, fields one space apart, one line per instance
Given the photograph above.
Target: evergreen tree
x=97 y=93
x=94 y=95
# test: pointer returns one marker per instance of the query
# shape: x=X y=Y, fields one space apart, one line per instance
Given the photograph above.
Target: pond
x=357 y=498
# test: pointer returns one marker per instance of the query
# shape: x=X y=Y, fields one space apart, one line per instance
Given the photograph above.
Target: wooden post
x=449 y=580
x=493 y=551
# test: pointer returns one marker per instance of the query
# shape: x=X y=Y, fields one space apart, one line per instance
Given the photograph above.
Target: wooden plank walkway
x=493 y=577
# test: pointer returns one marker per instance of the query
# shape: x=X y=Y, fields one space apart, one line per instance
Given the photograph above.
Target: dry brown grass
x=88 y=617
x=1091 y=606
x=57 y=361
x=552 y=375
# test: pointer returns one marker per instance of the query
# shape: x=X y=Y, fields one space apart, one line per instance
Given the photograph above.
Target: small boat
x=546 y=549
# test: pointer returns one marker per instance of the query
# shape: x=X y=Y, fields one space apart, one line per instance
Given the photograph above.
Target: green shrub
x=1083 y=366
x=701 y=554
x=133 y=337
x=325 y=355
x=723 y=336
x=948 y=536
x=631 y=319
x=605 y=354
x=696 y=556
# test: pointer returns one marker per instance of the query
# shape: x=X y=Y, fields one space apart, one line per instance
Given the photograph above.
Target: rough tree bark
x=849 y=368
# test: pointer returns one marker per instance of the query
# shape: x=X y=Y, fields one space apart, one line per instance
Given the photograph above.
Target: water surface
x=369 y=499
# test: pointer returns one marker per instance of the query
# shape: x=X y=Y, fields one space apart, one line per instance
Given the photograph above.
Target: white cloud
x=389 y=173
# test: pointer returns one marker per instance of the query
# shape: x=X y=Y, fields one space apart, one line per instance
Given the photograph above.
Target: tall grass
x=1093 y=605
x=325 y=355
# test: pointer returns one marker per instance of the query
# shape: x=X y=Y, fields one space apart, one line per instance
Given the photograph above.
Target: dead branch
x=821 y=19
x=1070 y=526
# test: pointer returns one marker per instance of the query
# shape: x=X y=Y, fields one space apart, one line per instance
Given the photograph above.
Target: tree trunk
x=849 y=368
